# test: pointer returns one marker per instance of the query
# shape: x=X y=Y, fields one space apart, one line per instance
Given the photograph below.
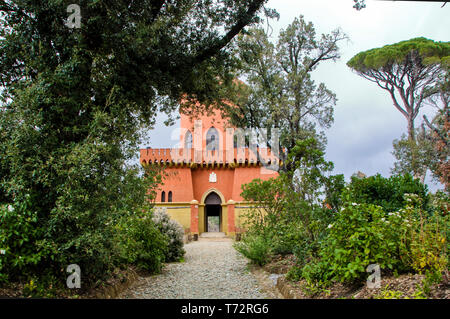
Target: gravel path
x=212 y=269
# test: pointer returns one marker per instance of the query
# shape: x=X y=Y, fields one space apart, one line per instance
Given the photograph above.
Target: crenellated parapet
x=194 y=158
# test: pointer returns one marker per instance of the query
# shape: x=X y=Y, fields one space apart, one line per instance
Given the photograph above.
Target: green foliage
x=44 y=286
x=289 y=215
x=308 y=165
x=174 y=233
x=72 y=104
x=279 y=91
x=385 y=192
x=425 y=241
x=406 y=240
x=254 y=247
x=269 y=195
x=140 y=242
x=21 y=240
x=362 y=235
x=285 y=238
x=387 y=293
x=375 y=59
x=334 y=185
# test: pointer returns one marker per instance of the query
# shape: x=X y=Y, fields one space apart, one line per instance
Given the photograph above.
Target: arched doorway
x=213 y=213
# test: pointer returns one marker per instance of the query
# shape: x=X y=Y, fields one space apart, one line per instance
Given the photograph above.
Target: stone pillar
x=230 y=209
x=194 y=217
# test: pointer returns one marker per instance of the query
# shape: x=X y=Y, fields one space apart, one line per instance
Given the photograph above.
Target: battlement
x=235 y=156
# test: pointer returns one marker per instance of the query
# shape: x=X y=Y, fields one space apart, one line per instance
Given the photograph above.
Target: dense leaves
x=72 y=104
x=385 y=192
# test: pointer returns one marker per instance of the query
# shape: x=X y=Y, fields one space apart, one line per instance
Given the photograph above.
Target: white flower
x=330 y=226
x=10 y=208
x=354 y=204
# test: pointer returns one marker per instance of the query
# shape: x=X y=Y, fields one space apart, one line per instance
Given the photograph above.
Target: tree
x=438 y=131
x=411 y=71
x=278 y=89
x=73 y=102
x=421 y=151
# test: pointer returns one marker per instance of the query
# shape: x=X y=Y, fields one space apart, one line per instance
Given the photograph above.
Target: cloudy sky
x=366 y=121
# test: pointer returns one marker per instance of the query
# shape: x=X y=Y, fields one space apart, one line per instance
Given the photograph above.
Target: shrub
x=141 y=243
x=424 y=244
x=361 y=235
x=173 y=231
x=285 y=237
x=19 y=240
x=334 y=185
x=385 y=192
x=254 y=247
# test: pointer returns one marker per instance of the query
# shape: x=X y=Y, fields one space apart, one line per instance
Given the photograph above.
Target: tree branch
x=254 y=7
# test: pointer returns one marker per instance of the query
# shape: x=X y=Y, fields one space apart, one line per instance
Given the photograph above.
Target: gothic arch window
x=169 y=197
x=188 y=140
x=212 y=139
x=163 y=196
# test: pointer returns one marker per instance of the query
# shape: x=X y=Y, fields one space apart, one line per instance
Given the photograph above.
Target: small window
x=163 y=196
x=169 y=198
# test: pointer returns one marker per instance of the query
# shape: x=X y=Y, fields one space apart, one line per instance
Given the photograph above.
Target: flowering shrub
x=361 y=235
x=173 y=231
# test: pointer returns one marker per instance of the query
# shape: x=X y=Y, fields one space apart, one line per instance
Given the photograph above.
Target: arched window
x=188 y=140
x=163 y=196
x=212 y=139
x=169 y=197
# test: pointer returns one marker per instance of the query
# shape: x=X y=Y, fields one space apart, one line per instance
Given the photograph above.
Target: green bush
x=174 y=233
x=20 y=240
x=424 y=243
x=385 y=192
x=254 y=247
x=361 y=235
x=141 y=243
x=334 y=185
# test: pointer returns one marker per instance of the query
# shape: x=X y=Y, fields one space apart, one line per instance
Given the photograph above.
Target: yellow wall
x=181 y=212
x=240 y=210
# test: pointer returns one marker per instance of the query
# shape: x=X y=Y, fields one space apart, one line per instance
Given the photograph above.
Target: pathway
x=212 y=269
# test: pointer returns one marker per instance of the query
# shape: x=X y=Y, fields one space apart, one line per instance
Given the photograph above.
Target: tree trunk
x=411 y=129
